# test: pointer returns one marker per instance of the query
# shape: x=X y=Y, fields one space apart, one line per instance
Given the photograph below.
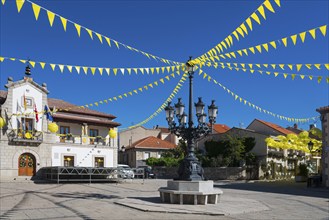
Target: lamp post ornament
x=190 y=168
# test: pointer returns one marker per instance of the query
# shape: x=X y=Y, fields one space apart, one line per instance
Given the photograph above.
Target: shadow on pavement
x=156 y=200
x=280 y=187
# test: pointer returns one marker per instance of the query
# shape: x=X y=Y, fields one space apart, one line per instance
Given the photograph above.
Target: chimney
x=10 y=79
x=295 y=126
x=44 y=85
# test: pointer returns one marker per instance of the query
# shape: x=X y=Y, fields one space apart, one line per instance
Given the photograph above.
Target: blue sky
x=172 y=30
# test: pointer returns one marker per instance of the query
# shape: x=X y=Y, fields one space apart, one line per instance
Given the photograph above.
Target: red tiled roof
x=220 y=128
x=60 y=104
x=276 y=127
x=152 y=142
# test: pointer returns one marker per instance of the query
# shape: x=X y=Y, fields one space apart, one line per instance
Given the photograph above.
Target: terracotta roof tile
x=220 y=128
x=152 y=142
x=276 y=127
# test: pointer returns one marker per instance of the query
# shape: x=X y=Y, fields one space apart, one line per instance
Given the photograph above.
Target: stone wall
x=210 y=173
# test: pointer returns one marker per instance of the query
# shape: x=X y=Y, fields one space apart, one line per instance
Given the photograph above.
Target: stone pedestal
x=190 y=192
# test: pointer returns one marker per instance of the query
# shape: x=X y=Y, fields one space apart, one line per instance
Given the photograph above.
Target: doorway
x=26 y=165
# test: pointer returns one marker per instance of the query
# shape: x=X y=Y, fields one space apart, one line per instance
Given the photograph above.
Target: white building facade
x=26 y=144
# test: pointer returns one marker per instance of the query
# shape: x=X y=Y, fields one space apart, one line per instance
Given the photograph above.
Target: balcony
x=81 y=139
x=24 y=137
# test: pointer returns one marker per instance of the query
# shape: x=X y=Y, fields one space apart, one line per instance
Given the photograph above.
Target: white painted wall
x=83 y=156
x=18 y=106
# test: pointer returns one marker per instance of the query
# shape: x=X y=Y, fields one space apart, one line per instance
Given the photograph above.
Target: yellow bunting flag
x=323 y=30
x=273 y=44
x=252 y=49
x=90 y=33
x=302 y=36
x=319 y=79
x=299 y=66
x=78 y=27
x=318 y=66
x=36 y=10
x=42 y=64
x=248 y=21
x=265 y=46
x=258 y=47
x=327 y=66
x=85 y=69
x=269 y=6
x=51 y=17
x=61 y=67
x=3 y=1
x=294 y=38
x=116 y=44
x=108 y=41
x=64 y=22
x=262 y=11
x=99 y=37
x=312 y=32
x=93 y=69
x=115 y=70
x=100 y=70
x=255 y=17
x=77 y=68
x=284 y=41
x=53 y=66
x=32 y=63
x=19 y=4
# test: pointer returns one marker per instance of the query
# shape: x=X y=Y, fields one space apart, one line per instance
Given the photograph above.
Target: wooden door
x=26 y=165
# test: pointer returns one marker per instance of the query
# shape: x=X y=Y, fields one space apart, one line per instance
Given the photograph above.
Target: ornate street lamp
x=190 y=168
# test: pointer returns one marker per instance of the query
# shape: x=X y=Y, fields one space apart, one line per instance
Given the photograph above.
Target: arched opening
x=26 y=165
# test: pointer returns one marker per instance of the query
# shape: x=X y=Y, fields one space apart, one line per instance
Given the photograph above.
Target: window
x=93 y=133
x=146 y=155
x=64 y=131
x=99 y=161
x=69 y=161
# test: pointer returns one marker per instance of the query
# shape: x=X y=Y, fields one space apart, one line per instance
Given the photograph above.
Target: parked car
x=125 y=171
x=147 y=171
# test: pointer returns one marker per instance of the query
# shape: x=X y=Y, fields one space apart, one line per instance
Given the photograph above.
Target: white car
x=125 y=171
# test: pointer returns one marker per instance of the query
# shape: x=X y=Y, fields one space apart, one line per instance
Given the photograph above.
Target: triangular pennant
x=85 y=69
x=302 y=36
x=53 y=66
x=108 y=41
x=93 y=69
x=309 y=66
x=142 y=70
x=19 y=4
x=115 y=71
x=235 y=35
x=3 y=2
x=290 y=66
x=248 y=21
x=285 y=75
x=265 y=46
x=293 y=76
x=269 y=6
x=312 y=32
x=240 y=31
x=327 y=66
x=116 y=44
x=100 y=70
x=255 y=17
x=276 y=74
x=273 y=66
x=323 y=30
x=90 y=33
x=262 y=11
x=108 y=71
x=32 y=63
x=299 y=66
x=273 y=44
x=318 y=66
x=36 y=10
x=135 y=70
x=240 y=52
x=281 y=66
x=51 y=17
x=243 y=27
x=294 y=38
x=252 y=49
x=69 y=68
x=284 y=41
x=99 y=37
x=259 y=48
x=129 y=71
x=319 y=79
x=77 y=68
x=122 y=71
x=42 y=64
x=78 y=28
x=64 y=22
x=61 y=67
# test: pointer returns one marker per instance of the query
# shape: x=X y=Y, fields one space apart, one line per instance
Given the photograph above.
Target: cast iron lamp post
x=190 y=168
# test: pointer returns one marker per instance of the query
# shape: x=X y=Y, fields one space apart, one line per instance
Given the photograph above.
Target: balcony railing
x=24 y=136
x=78 y=139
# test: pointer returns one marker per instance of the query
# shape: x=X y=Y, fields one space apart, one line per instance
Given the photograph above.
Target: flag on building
x=36 y=113
x=48 y=113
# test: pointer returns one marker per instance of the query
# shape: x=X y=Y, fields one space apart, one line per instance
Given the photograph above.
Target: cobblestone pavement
x=138 y=199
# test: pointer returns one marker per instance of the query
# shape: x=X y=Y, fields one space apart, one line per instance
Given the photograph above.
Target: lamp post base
x=190 y=170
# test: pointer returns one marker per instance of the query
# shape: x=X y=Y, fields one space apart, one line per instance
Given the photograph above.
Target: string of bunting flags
x=146 y=87
x=242 y=30
x=246 y=102
x=266 y=46
x=102 y=38
x=93 y=69
x=285 y=75
x=164 y=104
x=274 y=66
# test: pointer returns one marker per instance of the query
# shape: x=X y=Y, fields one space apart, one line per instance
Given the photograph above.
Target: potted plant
x=302 y=173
